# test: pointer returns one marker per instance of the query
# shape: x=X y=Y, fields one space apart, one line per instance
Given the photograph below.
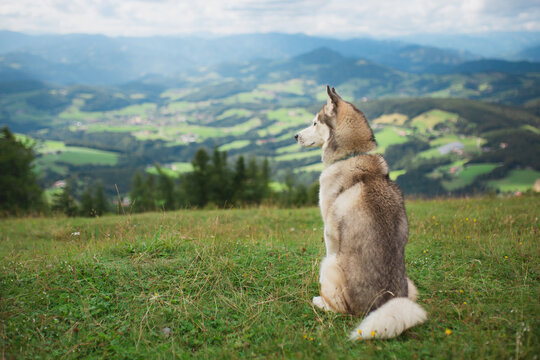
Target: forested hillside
x=456 y=127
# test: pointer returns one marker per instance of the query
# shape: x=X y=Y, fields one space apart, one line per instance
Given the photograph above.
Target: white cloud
x=317 y=17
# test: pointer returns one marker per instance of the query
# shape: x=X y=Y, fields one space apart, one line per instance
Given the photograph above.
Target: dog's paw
x=319 y=302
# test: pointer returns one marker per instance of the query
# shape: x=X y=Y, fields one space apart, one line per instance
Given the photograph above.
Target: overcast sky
x=315 y=17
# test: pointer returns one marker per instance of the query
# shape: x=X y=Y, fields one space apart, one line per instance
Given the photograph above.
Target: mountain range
x=97 y=59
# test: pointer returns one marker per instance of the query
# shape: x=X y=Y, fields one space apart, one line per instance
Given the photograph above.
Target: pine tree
x=165 y=190
x=64 y=202
x=198 y=182
x=19 y=190
x=87 y=203
x=100 y=200
x=252 y=194
x=239 y=180
x=137 y=193
x=219 y=179
x=148 y=197
x=264 y=180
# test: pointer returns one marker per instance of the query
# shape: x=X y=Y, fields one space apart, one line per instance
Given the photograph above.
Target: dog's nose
x=296 y=137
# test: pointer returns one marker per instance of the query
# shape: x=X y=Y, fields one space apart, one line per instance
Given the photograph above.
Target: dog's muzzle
x=296 y=137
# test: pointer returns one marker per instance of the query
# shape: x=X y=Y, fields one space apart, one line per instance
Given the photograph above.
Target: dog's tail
x=390 y=320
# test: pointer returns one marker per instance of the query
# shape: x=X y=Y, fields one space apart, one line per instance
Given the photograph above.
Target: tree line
x=215 y=182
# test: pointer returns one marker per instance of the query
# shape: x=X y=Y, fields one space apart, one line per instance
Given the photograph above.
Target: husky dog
x=365 y=226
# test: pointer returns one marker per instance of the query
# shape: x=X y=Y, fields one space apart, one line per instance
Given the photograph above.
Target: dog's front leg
x=332 y=285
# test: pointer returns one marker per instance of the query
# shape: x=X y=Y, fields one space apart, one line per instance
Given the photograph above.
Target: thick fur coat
x=365 y=226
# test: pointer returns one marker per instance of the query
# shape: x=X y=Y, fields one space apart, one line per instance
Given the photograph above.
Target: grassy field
x=388 y=136
x=521 y=180
x=238 y=284
x=77 y=156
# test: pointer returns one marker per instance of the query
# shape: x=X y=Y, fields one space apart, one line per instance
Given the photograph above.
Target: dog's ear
x=332 y=101
x=336 y=94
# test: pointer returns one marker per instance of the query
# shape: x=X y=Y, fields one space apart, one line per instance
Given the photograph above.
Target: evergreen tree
x=64 y=202
x=313 y=193
x=264 y=180
x=100 y=200
x=87 y=203
x=19 y=190
x=252 y=194
x=148 y=198
x=219 y=179
x=239 y=180
x=165 y=190
x=198 y=182
x=137 y=193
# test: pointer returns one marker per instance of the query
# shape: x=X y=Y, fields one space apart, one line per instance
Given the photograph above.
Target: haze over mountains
x=98 y=59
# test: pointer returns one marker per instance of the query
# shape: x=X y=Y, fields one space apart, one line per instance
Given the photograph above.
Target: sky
x=342 y=18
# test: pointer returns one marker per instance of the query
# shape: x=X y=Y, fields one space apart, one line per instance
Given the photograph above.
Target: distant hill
x=500 y=45
x=487 y=65
x=530 y=53
x=21 y=65
x=494 y=80
x=100 y=59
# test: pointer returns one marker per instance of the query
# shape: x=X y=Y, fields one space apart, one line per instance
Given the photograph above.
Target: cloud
x=316 y=17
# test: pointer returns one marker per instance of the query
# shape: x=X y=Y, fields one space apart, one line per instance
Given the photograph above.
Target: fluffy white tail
x=390 y=320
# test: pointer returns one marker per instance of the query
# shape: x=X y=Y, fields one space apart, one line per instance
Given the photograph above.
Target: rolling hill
x=463 y=131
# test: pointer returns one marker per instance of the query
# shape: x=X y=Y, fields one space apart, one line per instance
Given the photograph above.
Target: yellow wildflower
x=373 y=333
x=447 y=331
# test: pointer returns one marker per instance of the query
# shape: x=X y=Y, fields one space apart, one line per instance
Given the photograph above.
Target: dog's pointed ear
x=336 y=94
x=332 y=101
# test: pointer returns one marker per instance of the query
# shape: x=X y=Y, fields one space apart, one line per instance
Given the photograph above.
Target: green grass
x=317 y=167
x=467 y=175
x=77 y=156
x=289 y=149
x=51 y=146
x=388 y=136
x=392 y=119
x=429 y=119
x=295 y=116
x=239 y=283
x=173 y=170
x=300 y=155
x=93 y=128
x=394 y=174
x=294 y=86
x=237 y=112
x=254 y=96
x=237 y=144
x=517 y=180
x=141 y=110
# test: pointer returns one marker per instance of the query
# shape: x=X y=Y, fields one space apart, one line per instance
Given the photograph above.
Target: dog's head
x=338 y=127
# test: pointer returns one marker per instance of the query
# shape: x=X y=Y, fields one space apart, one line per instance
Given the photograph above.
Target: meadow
x=238 y=284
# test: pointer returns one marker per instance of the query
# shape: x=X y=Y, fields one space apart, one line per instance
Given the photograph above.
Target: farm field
x=238 y=284
x=134 y=130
